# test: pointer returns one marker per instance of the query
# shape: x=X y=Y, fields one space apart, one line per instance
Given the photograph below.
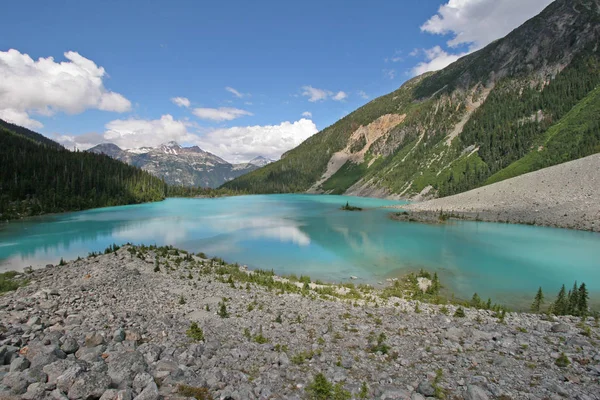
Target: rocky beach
x=150 y=323
x=563 y=196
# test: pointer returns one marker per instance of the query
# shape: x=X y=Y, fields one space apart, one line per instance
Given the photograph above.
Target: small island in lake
x=348 y=207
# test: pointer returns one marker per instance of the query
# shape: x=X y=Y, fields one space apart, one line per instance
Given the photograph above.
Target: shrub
x=195 y=332
x=181 y=299
x=198 y=393
x=460 y=313
x=223 y=310
x=562 y=361
x=320 y=388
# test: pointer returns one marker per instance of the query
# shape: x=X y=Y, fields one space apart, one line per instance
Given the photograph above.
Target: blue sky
x=251 y=77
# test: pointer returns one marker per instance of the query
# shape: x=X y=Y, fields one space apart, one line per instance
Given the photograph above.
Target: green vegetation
x=321 y=389
x=380 y=346
x=198 y=393
x=345 y=177
x=460 y=313
x=575 y=302
x=37 y=178
x=348 y=207
x=537 y=301
x=195 y=332
x=562 y=361
x=223 y=313
x=10 y=281
x=524 y=123
x=576 y=135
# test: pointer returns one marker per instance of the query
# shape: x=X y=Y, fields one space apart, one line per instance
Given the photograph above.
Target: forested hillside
x=39 y=176
x=524 y=102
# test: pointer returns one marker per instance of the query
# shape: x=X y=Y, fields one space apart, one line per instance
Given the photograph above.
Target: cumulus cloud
x=479 y=22
x=339 y=96
x=235 y=92
x=362 y=94
x=181 y=101
x=243 y=143
x=236 y=144
x=307 y=114
x=45 y=87
x=436 y=59
x=315 y=94
x=220 y=114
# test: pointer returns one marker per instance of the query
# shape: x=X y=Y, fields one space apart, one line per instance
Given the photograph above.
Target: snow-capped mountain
x=177 y=165
x=260 y=161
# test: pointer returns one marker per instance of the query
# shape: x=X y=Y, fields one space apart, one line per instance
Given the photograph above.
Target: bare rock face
x=135 y=340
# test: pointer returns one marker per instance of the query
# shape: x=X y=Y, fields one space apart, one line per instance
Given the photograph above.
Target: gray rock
x=70 y=345
x=19 y=364
x=140 y=382
x=34 y=391
x=17 y=382
x=119 y=335
x=65 y=380
x=149 y=393
x=110 y=394
x=90 y=385
x=560 y=328
x=56 y=369
x=124 y=366
x=475 y=393
x=426 y=389
x=94 y=339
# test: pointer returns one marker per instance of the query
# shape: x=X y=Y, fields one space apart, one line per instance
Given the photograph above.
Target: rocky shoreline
x=563 y=196
x=121 y=326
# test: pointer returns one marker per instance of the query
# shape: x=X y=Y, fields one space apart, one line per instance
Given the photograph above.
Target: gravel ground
x=114 y=327
x=564 y=196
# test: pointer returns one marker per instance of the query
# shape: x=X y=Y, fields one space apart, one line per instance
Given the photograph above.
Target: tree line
x=39 y=176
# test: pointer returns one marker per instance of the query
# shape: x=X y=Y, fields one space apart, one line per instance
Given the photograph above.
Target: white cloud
x=234 y=92
x=389 y=73
x=362 y=94
x=436 y=59
x=181 y=101
x=220 y=114
x=240 y=144
x=315 y=94
x=133 y=132
x=45 y=87
x=479 y=22
x=307 y=114
x=236 y=144
x=339 y=96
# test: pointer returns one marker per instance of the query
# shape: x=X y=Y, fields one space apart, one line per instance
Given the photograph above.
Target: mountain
x=39 y=176
x=177 y=165
x=24 y=132
x=524 y=102
x=260 y=161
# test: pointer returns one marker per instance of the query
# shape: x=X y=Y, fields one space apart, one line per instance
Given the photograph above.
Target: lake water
x=308 y=234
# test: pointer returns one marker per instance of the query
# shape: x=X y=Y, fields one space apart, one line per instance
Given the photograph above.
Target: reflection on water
x=309 y=234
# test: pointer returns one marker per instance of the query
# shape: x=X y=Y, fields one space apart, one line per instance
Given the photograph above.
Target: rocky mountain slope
x=146 y=323
x=512 y=107
x=177 y=165
x=565 y=196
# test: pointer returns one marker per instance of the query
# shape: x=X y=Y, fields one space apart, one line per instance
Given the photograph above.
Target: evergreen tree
x=573 y=300
x=537 y=301
x=583 y=296
x=561 y=305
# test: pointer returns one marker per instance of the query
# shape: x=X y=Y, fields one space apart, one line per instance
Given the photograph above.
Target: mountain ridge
x=178 y=165
x=455 y=127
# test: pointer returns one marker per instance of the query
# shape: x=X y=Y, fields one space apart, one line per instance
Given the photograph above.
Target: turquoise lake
x=308 y=234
